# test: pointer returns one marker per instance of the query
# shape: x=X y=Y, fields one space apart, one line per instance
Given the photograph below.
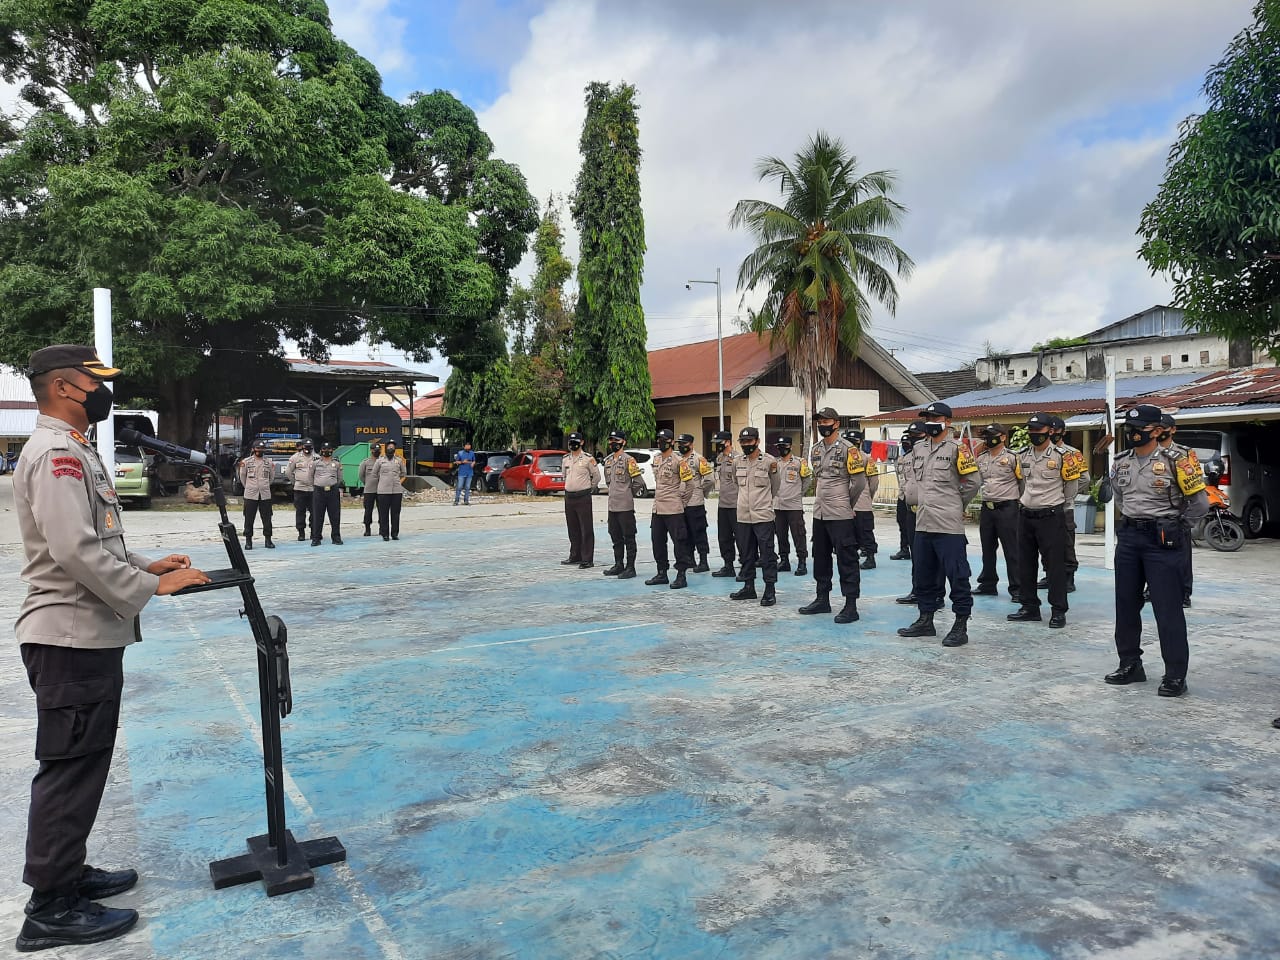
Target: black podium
x=281 y=862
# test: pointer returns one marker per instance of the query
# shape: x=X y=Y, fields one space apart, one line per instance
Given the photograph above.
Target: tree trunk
x=178 y=413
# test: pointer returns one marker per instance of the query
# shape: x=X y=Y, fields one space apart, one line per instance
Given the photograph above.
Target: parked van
x=1251 y=456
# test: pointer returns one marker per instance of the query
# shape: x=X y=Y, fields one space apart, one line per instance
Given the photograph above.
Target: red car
x=535 y=472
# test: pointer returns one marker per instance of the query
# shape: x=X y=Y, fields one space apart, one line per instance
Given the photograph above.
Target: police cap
x=685 y=438
x=936 y=409
x=60 y=356
x=618 y=435
x=994 y=430
x=782 y=440
x=915 y=428
x=1056 y=423
x=827 y=413
x=306 y=444
x=326 y=447
x=748 y=433
x=720 y=436
x=1166 y=420
x=665 y=434
x=853 y=434
x=259 y=444
x=1040 y=420
x=575 y=436
x=1143 y=414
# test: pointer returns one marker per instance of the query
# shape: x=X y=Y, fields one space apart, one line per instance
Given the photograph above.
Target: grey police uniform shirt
x=1000 y=475
x=580 y=471
x=939 y=490
x=672 y=480
x=298 y=470
x=727 y=480
x=703 y=478
x=840 y=477
x=255 y=477
x=621 y=476
x=1146 y=488
x=365 y=474
x=793 y=475
x=758 y=479
x=84 y=588
x=866 y=499
x=327 y=473
x=903 y=469
x=1043 y=485
x=387 y=475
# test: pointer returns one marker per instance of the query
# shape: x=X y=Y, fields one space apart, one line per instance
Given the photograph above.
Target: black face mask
x=574 y=445
x=905 y=444
x=826 y=429
x=1164 y=436
x=1038 y=439
x=391 y=452
x=664 y=445
x=784 y=449
x=1138 y=438
x=749 y=448
x=97 y=402
x=615 y=445
x=934 y=429
x=685 y=448
x=718 y=446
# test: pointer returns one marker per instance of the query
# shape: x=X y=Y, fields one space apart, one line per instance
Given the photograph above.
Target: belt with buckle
x=1041 y=513
x=998 y=504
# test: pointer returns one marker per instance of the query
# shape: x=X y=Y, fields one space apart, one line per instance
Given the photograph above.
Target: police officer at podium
x=85 y=590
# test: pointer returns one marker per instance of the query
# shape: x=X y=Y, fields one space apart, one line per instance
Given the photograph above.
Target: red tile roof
x=1228 y=388
x=428 y=405
x=689 y=370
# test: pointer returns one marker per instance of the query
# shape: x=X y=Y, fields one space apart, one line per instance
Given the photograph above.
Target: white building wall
x=786 y=402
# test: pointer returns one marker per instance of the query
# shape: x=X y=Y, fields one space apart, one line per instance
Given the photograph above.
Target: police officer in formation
x=388 y=477
x=944 y=478
x=1057 y=434
x=581 y=476
x=864 y=517
x=695 y=511
x=1001 y=490
x=1050 y=477
x=758 y=482
x=326 y=495
x=298 y=470
x=788 y=506
x=85 y=591
x=624 y=483
x=1158 y=493
x=906 y=513
x=369 y=483
x=672 y=482
x=1169 y=427
x=840 y=473
x=255 y=473
x=727 y=512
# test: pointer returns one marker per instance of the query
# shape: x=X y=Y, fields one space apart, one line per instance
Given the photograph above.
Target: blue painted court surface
x=531 y=761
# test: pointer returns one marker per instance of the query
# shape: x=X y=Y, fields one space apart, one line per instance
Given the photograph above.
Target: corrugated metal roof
x=1157 y=321
x=363 y=369
x=1228 y=388
x=17 y=423
x=15 y=387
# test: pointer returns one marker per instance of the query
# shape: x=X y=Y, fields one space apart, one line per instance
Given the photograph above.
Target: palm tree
x=820 y=256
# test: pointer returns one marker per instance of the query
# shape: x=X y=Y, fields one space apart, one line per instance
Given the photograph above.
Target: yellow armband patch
x=965 y=464
x=1017 y=468
x=1072 y=467
x=685 y=473
x=704 y=468
x=872 y=469
x=854 y=462
x=1190 y=477
x=804 y=469
x=633 y=469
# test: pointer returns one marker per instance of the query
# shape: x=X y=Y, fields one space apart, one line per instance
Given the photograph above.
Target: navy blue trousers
x=937 y=558
x=1141 y=560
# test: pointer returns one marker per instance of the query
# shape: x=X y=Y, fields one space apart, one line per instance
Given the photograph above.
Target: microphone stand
x=282 y=863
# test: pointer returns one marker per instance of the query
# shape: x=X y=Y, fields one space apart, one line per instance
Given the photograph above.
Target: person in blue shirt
x=465 y=461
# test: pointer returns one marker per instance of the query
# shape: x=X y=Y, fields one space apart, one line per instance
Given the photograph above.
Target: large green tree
x=820 y=258
x=608 y=382
x=1214 y=225
x=235 y=174
x=540 y=318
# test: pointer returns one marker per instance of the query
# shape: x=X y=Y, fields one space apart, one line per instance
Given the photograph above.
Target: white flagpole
x=102 y=340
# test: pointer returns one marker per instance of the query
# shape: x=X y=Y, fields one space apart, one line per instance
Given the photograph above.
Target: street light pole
x=719 y=342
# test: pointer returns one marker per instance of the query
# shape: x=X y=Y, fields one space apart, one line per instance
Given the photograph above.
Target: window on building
x=1009 y=374
x=1166 y=361
x=1053 y=372
x=1024 y=373
x=1128 y=364
x=783 y=424
x=1204 y=356
x=1186 y=358
x=1146 y=363
x=1069 y=371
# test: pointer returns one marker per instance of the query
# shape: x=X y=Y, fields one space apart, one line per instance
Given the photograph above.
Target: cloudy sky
x=1026 y=136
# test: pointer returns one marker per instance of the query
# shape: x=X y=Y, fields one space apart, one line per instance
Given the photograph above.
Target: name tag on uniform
x=793 y=476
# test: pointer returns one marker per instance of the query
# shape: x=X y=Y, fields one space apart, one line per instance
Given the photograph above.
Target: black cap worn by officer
x=910 y=436
x=720 y=438
x=617 y=440
x=827 y=413
x=782 y=442
x=933 y=415
x=575 y=440
x=684 y=442
x=665 y=439
x=1039 y=428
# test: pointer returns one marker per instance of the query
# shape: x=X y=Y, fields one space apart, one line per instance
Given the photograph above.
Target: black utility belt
x=998 y=504
x=578 y=493
x=1147 y=523
x=326 y=489
x=1043 y=512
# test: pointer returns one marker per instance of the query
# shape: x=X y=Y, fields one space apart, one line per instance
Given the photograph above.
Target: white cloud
x=369 y=27
x=1027 y=138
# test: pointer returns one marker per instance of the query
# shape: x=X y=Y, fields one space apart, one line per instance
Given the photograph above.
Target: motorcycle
x=1219 y=527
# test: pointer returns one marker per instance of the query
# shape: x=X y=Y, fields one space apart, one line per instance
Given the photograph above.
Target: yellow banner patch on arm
x=854 y=462
x=965 y=464
x=1190 y=477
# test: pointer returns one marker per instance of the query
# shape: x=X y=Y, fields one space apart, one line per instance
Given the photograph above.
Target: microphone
x=134 y=438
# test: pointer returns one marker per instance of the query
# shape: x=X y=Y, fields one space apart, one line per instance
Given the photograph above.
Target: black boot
x=922 y=627
x=657 y=578
x=614 y=570
x=66 y=920
x=820 y=604
x=904 y=553
x=909 y=600
x=337 y=539
x=702 y=566
x=679 y=583
x=726 y=571
x=368 y=532
x=629 y=571
x=747 y=592
x=802 y=569
x=248 y=542
x=1071 y=585
x=958 y=635
x=302 y=534
x=769 y=599
x=266 y=541
x=784 y=565
x=870 y=562
x=850 y=612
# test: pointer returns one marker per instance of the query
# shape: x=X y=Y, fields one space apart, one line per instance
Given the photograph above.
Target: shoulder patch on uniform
x=1072 y=465
x=67 y=467
x=872 y=469
x=1190 y=477
x=804 y=469
x=965 y=464
x=685 y=473
x=633 y=468
x=854 y=462
x=704 y=468
x=77 y=436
